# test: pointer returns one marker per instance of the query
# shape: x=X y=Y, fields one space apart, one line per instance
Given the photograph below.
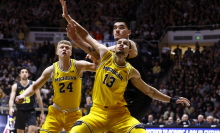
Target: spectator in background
x=20 y=35
x=168 y=113
x=144 y=51
x=34 y=49
x=166 y=51
x=150 y=120
x=208 y=112
x=177 y=52
x=25 y=51
x=2 y=94
x=157 y=70
x=209 y=120
x=33 y=70
x=188 y=53
x=201 y=122
x=89 y=104
x=185 y=120
x=170 y=121
x=1 y=35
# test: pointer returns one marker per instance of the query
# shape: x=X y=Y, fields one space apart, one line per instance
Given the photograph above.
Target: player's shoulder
x=14 y=86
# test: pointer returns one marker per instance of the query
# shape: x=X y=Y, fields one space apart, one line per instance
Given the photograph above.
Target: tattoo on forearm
x=78 y=33
x=91 y=49
x=153 y=92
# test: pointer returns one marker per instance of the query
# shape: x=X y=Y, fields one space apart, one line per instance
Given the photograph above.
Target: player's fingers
x=182 y=98
x=67 y=30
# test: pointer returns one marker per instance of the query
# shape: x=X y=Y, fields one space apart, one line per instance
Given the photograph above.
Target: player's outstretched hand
x=71 y=28
x=65 y=12
x=183 y=101
x=19 y=99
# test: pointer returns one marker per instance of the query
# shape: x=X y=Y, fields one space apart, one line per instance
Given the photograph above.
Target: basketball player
x=66 y=79
x=25 y=110
x=137 y=102
x=109 y=112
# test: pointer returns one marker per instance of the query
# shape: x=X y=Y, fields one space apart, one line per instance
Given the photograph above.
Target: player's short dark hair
x=124 y=21
x=23 y=68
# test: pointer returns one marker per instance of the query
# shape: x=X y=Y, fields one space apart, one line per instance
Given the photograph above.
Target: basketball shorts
x=24 y=116
x=101 y=119
x=57 y=120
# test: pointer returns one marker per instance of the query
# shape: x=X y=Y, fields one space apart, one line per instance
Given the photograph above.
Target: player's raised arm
x=36 y=85
x=100 y=48
x=152 y=92
x=80 y=43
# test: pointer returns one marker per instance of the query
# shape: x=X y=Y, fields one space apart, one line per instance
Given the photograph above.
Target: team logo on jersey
x=125 y=71
x=72 y=71
x=57 y=74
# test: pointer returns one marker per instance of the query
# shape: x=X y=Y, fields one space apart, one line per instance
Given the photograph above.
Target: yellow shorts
x=102 y=119
x=57 y=120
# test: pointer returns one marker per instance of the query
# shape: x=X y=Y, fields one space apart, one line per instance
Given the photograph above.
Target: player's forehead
x=24 y=70
x=64 y=45
x=123 y=40
x=119 y=24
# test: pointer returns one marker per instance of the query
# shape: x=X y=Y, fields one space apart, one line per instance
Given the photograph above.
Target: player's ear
x=129 y=32
x=129 y=51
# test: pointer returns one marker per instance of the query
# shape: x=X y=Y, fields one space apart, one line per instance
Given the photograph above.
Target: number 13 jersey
x=111 y=81
x=67 y=86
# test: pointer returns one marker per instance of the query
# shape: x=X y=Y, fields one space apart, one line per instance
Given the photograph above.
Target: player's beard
x=25 y=78
x=120 y=53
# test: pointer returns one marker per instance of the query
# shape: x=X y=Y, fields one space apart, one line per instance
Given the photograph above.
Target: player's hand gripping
x=183 y=101
x=19 y=99
x=65 y=12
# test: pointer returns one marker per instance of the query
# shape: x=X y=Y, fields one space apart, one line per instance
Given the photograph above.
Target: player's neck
x=24 y=82
x=120 y=61
x=64 y=63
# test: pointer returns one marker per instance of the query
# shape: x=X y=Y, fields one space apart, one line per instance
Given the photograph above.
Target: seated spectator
x=189 y=109
x=162 y=89
x=209 y=120
x=166 y=51
x=177 y=52
x=44 y=90
x=185 y=120
x=170 y=121
x=20 y=35
x=2 y=94
x=25 y=51
x=89 y=104
x=209 y=103
x=201 y=122
x=157 y=70
x=208 y=112
x=34 y=49
x=33 y=70
x=150 y=120
x=169 y=113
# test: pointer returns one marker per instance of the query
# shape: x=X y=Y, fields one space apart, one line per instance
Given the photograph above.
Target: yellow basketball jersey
x=67 y=86
x=111 y=81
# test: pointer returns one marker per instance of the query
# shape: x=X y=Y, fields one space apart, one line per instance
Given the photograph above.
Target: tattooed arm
x=147 y=89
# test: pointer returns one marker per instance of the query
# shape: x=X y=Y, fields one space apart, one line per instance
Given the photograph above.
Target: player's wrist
x=174 y=99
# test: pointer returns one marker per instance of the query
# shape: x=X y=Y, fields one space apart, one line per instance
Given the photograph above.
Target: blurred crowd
x=195 y=75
